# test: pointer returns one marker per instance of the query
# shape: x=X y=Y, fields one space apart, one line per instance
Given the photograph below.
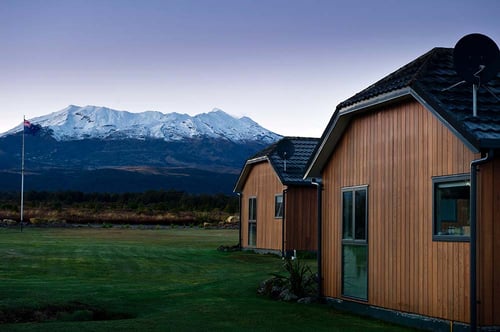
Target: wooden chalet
x=400 y=238
x=278 y=210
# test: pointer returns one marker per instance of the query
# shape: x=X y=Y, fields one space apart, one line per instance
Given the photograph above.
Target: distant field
x=147 y=280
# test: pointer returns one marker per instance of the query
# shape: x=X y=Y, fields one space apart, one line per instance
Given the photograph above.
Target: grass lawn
x=152 y=280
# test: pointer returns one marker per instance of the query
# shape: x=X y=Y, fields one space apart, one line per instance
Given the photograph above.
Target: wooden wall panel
x=396 y=152
x=301 y=223
x=263 y=183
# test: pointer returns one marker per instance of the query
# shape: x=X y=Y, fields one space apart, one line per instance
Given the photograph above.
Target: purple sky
x=284 y=63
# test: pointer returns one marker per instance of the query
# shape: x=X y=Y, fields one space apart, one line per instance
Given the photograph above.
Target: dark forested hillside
x=194 y=166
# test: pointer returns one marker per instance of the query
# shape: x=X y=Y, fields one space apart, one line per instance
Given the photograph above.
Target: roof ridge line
x=428 y=56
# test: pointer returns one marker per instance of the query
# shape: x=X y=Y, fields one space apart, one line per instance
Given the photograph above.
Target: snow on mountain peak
x=76 y=123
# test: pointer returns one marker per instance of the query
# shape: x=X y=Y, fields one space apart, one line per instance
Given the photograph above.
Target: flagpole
x=22 y=178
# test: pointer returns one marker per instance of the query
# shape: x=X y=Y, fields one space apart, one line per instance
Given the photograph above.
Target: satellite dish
x=476 y=58
x=285 y=150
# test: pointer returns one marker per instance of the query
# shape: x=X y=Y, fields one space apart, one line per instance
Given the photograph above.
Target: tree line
x=172 y=201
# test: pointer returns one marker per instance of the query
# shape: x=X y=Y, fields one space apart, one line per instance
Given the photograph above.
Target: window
x=278 y=206
x=451 y=208
x=252 y=221
x=354 y=214
x=355 y=242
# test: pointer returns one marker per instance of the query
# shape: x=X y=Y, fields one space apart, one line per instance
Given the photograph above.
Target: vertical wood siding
x=396 y=152
x=301 y=224
x=263 y=183
x=489 y=244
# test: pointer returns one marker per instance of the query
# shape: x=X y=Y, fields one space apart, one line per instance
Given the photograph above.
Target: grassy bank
x=156 y=280
x=81 y=215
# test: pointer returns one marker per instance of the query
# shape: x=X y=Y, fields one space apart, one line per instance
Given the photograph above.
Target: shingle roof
x=430 y=76
x=427 y=79
x=303 y=148
x=296 y=164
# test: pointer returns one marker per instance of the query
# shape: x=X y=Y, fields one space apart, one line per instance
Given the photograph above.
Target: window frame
x=354 y=242
x=278 y=215
x=252 y=222
x=436 y=181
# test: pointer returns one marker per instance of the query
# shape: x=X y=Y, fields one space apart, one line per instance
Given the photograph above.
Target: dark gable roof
x=295 y=165
x=399 y=79
x=427 y=79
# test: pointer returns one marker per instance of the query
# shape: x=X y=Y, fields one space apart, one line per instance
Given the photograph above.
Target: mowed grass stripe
x=167 y=279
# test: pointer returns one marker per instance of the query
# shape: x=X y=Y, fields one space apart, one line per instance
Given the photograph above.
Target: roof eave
x=342 y=117
x=339 y=123
x=299 y=183
x=246 y=170
x=376 y=101
x=489 y=143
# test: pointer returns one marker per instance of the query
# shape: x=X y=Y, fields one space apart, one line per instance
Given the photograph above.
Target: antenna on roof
x=476 y=58
x=285 y=150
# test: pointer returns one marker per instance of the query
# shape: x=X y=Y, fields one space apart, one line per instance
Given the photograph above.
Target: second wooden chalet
x=278 y=207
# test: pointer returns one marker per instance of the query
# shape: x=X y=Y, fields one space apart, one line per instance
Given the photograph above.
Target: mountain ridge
x=76 y=123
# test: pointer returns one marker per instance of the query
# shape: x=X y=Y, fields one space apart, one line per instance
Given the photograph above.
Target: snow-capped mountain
x=92 y=122
x=99 y=149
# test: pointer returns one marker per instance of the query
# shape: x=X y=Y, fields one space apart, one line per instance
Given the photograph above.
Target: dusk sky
x=284 y=63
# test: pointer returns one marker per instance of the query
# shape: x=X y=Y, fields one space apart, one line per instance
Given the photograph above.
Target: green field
x=149 y=280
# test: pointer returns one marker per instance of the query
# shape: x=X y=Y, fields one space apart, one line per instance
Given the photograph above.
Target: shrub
x=300 y=278
x=37 y=221
x=299 y=282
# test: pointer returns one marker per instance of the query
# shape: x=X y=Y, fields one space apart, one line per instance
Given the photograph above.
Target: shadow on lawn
x=70 y=312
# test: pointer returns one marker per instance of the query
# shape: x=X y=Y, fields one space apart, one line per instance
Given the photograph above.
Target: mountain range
x=98 y=149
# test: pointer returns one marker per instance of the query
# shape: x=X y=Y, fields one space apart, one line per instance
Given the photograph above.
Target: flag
x=30 y=128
